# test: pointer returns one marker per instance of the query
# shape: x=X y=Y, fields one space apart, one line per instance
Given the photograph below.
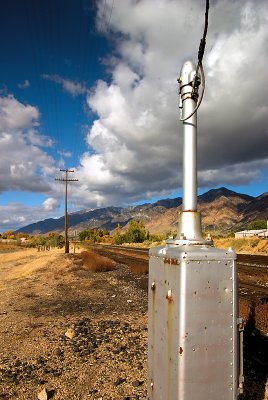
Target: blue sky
x=91 y=85
x=48 y=39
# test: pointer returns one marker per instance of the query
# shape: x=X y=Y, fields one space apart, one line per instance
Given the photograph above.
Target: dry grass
x=251 y=246
x=94 y=262
x=140 y=269
x=6 y=247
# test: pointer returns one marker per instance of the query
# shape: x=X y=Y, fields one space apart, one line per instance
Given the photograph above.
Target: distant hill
x=221 y=209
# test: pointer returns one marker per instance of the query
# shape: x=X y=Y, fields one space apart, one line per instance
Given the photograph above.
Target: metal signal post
x=66 y=180
x=195 y=338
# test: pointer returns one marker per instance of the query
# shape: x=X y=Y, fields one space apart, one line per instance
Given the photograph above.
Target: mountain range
x=222 y=210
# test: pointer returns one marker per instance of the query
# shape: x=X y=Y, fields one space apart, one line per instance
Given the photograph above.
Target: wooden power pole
x=66 y=180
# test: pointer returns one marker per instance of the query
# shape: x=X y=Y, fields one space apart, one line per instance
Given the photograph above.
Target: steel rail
x=240 y=257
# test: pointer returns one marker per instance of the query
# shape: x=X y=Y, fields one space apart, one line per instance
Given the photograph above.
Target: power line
x=201 y=52
x=66 y=180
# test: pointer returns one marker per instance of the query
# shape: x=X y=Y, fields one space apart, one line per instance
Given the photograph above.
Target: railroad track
x=246 y=260
x=252 y=273
x=252 y=282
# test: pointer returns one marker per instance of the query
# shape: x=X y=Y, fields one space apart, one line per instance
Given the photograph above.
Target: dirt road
x=46 y=295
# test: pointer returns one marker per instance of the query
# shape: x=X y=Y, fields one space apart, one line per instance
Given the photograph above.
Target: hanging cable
x=200 y=56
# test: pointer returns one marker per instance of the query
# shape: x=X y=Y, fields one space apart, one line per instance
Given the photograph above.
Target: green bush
x=135 y=232
x=257 y=224
x=53 y=239
x=94 y=235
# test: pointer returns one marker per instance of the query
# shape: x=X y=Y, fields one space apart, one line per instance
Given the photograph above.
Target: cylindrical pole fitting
x=188 y=104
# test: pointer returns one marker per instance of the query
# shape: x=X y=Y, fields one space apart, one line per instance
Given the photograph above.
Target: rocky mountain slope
x=221 y=209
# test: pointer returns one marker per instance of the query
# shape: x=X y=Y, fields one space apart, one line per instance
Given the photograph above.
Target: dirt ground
x=43 y=295
x=76 y=334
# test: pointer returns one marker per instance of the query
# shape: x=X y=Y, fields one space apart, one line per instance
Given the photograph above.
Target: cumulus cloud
x=16 y=215
x=51 y=204
x=23 y=164
x=135 y=142
x=69 y=86
x=136 y=139
x=15 y=115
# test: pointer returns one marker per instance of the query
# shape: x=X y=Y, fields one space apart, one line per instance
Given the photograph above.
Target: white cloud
x=23 y=164
x=51 y=204
x=16 y=215
x=64 y=153
x=15 y=115
x=24 y=85
x=38 y=139
x=69 y=86
x=136 y=141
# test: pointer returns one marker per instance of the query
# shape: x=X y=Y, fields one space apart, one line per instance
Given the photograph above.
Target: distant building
x=261 y=233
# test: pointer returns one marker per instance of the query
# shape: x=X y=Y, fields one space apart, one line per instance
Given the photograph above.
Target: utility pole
x=66 y=180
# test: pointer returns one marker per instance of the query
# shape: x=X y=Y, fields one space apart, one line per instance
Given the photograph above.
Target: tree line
x=135 y=232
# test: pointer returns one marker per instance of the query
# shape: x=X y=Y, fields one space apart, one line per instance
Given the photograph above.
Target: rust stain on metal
x=169 y=296
x=180 y=351
x=153 y=334
x=171 y=261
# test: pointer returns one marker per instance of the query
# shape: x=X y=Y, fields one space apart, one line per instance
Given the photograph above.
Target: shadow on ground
x=255 y=360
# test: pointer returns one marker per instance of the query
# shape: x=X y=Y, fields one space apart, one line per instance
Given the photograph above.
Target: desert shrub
x=140 y=268
x=6 y=247
x=157 y=237
x=257 y=224
x=53 y=239
x=94 y=235
x=254 y=242
x=36 y=241
x=119 y=238
x=95 y=262
x=135 y=232
x=8 y=234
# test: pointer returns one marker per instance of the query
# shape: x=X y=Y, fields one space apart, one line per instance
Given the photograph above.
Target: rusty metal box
x=193 y=337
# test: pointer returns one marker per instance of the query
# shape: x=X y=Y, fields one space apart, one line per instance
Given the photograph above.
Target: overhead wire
x=200 y=56
x=53 y=104
x=82 y=46
x=105 y=15
x=86 y=51
x=54 y=40
x=31 y=14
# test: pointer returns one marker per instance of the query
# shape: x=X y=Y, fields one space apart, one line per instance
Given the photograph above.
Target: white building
x=261 y=233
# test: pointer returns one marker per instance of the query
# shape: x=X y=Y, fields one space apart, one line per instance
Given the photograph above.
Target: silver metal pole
x=189 y=158
x=188 y=104
x=189 y=230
